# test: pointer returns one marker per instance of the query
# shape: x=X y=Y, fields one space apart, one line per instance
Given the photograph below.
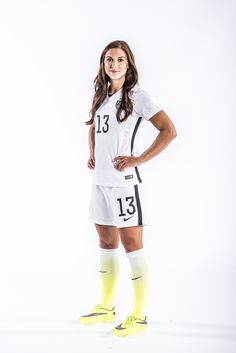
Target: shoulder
x=138 y=91
x=144 y=103
x=140 y=95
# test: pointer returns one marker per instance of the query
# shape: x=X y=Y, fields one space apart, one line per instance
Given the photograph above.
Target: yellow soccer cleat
x=131 y=325
x=97 y=315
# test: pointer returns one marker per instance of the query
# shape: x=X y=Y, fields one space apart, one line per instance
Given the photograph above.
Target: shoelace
x=98 y=307
x=129 y=320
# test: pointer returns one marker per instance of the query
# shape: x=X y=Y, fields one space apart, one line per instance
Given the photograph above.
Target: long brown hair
x=101 y=84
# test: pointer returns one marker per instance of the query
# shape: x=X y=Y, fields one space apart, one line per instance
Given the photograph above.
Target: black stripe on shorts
x=140 y=218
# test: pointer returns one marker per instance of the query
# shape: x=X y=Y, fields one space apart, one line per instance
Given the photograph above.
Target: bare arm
x=91 y=141
x=167 y=133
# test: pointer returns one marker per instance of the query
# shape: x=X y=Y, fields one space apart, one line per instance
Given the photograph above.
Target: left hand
x=122 y=162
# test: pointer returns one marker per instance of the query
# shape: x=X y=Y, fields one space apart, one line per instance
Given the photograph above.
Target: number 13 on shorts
x=128 y=206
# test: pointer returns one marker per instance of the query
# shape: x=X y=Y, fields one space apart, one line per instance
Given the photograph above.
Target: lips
x=114 y=72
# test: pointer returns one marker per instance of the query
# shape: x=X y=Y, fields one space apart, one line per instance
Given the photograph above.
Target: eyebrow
x=108 y=56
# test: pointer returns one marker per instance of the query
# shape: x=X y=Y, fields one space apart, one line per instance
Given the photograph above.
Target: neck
x=115 y=85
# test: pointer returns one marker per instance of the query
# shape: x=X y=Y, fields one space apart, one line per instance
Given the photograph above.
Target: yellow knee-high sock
x=140 y=280
x=109 y=271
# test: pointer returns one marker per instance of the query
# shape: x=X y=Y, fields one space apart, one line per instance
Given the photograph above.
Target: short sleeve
x=144 y=104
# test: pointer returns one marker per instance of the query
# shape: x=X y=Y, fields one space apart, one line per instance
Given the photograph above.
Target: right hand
x=91 y=162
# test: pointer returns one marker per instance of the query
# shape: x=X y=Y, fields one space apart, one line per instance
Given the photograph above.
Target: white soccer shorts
x=117 y=206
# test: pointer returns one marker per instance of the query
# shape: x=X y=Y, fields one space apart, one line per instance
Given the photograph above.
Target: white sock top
x=108 y=251
x=135 y=252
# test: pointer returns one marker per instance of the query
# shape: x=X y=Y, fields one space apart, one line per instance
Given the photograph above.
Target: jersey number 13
x=102 y=123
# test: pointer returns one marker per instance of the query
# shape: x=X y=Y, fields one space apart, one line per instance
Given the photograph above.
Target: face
x=115 y=63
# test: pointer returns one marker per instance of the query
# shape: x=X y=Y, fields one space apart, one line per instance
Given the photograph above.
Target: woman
x=116 y=208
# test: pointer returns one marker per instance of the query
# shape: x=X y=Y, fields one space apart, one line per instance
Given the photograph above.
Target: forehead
x=115 y=52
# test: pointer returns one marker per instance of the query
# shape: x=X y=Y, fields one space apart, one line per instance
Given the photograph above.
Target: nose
x=113 y=64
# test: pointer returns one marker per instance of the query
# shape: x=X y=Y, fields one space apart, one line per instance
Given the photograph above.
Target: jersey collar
x=115 y=95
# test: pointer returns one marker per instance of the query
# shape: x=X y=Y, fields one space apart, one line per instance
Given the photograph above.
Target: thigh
x=108 y=236
x=99 y=208
x=127 y=206
x=131 y=238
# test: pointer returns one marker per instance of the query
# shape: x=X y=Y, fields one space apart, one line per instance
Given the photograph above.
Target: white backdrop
x=185 y=54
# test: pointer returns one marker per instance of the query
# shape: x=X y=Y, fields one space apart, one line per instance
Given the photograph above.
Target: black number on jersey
x=131 y=209
x=104 y=123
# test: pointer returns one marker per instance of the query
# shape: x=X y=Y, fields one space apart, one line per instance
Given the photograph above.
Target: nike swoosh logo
x=126 y=219
x=95 y=314
x=143 y=322
x=133 y=279
x=120 y=328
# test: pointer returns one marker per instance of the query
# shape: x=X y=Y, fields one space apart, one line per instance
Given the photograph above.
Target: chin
x=116 y=77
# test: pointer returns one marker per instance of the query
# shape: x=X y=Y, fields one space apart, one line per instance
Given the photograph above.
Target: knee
x=131 y=244
x=107 y=245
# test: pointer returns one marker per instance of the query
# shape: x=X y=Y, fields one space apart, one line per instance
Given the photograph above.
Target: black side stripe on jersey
x=138 y=175
x=132 y=146
x=140 y=217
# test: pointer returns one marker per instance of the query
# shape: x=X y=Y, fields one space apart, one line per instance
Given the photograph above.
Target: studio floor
x=66 y=335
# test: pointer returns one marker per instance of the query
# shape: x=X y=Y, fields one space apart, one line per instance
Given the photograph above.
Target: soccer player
x=119 y=108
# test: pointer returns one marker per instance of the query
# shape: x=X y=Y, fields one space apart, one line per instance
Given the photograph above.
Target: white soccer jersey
x=114 y=139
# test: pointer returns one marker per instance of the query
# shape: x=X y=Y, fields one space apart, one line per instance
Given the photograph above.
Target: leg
x=127 y=205
x=108 y=236
x=131 y=238
x=100 y=214
x=109 y=267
